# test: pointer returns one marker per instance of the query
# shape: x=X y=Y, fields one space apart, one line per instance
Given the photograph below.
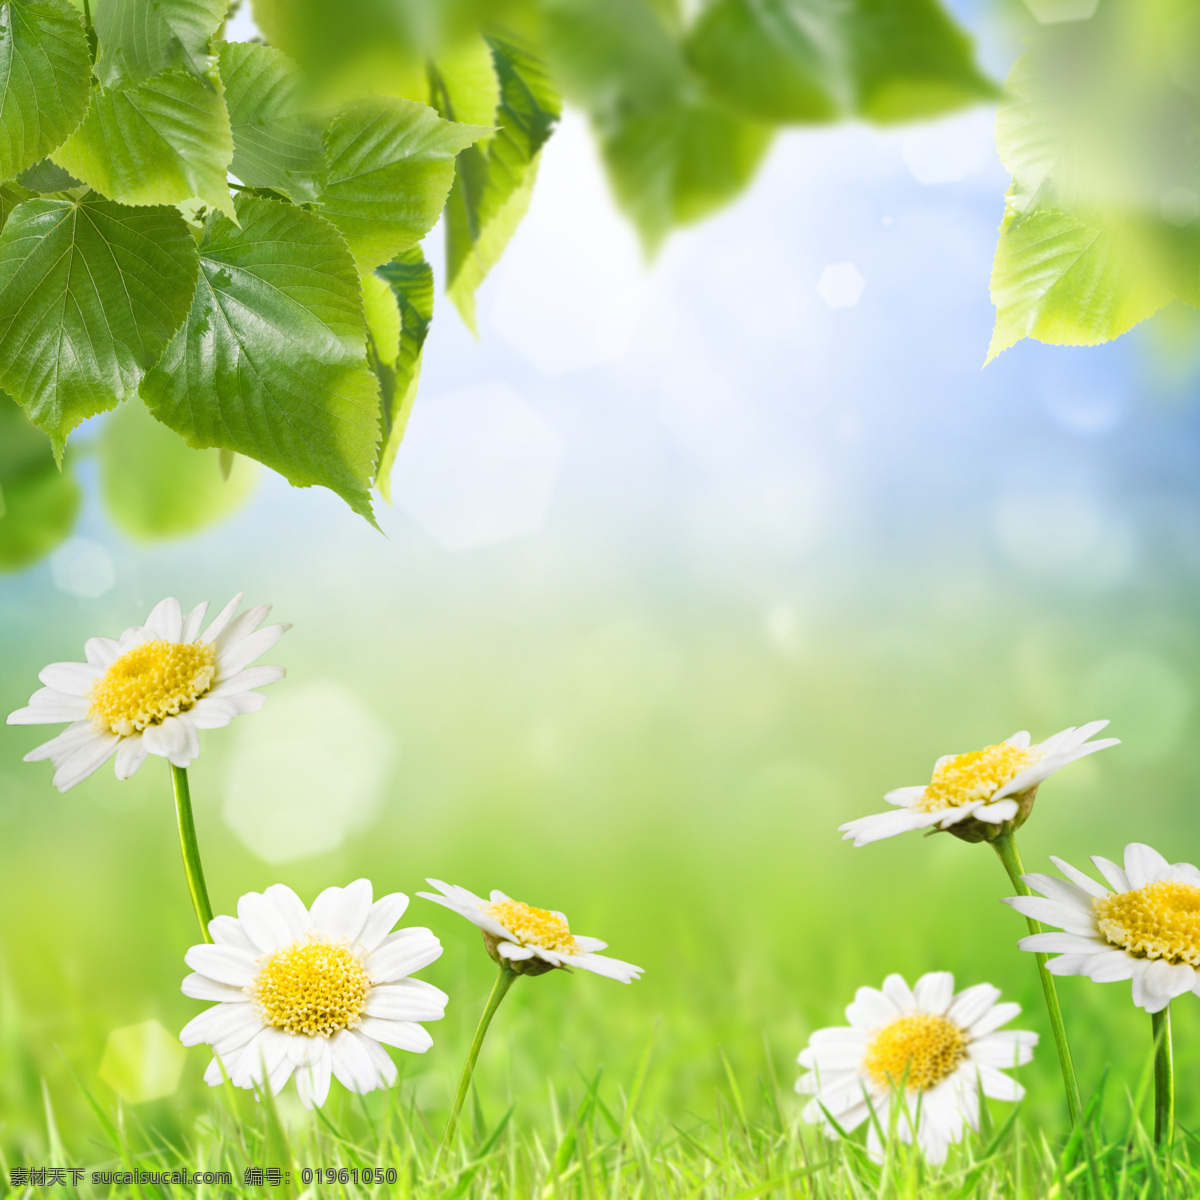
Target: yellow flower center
x=149 y=683
x=929 y=1048
x=534 y=926
x=1160 y=920
x=978 y=775
x=313 y=987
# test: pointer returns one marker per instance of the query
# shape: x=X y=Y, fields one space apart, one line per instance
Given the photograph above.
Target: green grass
x=592 y=1140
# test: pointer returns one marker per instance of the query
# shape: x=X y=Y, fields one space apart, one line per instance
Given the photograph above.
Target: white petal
x=1061 y=891
x=1050 y=912
x=878 y=826
x=73 y=678
x=1117 y=879
x=934 y=992
x=1006 y=1048
x=223 y=1024
x=263 y=923
x=222 y=963
x=261 y=1058
x=48 y=705
x=291 y=910
x=88 y=758
x=904 y=796
x=385 y=912
x=1076 y=876
x=1142 y=864
x=200 y=987
x=60 y=747
x=238 y=654
x=899 y=993
x=404 y=1035
x=870 y=1007
x=227 y=931
x=192 y=623
x=1061 y=943
x=382 y=1060
x=998 y=1086
x=131 y=753
x=211 y=712
x=342 y=912
x=998 y=812
x=1111 y=967
x=166 y=620
x=247 y=680
x=589 y=944
x=1157 y=983
x=601 y=964
x=997 y=1015
x=971 y=1003
x=101 y=651
x=406 y=1000
x=168 y=740
x=514 y=952
x=221 y=619
x=401 y=953
x=352 y=1064
x=312 y=1082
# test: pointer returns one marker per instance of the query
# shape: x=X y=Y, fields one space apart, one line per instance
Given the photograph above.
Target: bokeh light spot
x=477 y=466
x=841 y=285
x=307 y=774
x=142 y=1062
x=83 y=568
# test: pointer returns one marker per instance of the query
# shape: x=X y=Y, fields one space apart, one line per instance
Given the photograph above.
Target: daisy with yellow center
x=978 y=795
x=1144 y=927
x=316 y=992
x=521 y=940
x=942 y=1049
x=151 y=690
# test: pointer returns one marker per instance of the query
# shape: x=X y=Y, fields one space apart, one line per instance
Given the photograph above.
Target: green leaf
x=138 y=39
x=494 y=183
x=45 y=75
x=45 y=176
x=90 y=294
x=12 y=194
x=38 y=503
x=813 y=60
x=391 y=164
x=1102 y=224
x=674 y=151
x=155 y=486
x=411 y=283
x=908 y=60
x=276 y=138
x=271 y=362
x=162 y=142
x=771 y=58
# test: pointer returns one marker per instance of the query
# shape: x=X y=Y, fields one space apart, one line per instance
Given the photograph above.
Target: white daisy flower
x=945 y=1048
x=530 y=940
x=1147 y=929
x=318 y=991
x=978 y=795
x=151 y=690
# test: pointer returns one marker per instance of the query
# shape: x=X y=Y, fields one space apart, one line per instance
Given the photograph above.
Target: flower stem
x=1164 y=1078
x=504 y=980
x=1006 y=848
x=191 y=851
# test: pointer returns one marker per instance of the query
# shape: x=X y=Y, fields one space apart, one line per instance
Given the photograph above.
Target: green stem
x=1164 y=1078
x=504 y=980
x=191 y=851
x=1006 y=848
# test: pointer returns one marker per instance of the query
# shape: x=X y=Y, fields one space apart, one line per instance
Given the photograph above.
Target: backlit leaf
x=162 y=142
x=90 y=293
x=45 y=76
x=271 y=362
x=391 y=164
x=276 y=138
x=138 y=38
x=410 y=280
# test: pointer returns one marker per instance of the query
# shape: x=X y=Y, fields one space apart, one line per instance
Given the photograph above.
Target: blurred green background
x=687 y=566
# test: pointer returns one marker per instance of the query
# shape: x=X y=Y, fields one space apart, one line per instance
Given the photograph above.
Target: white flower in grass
x=151 y=690
x=1147 y=929
x=944 y=1048
x=530 y=940
x=318 y=991
x=977 y=796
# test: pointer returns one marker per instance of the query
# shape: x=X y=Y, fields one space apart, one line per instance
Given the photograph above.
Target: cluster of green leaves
x=230 y=233
x=1102 y=221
